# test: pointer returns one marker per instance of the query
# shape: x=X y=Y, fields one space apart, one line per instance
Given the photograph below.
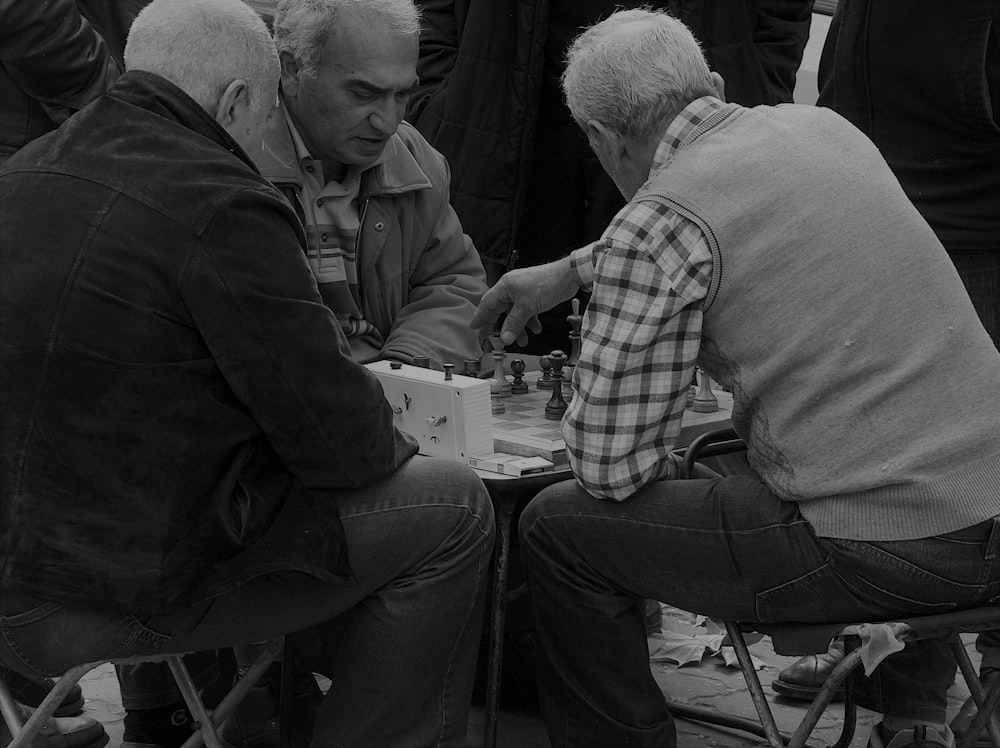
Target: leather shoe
x=31 y=691
x=62 y=732
x=804 y=678
x=963 y=720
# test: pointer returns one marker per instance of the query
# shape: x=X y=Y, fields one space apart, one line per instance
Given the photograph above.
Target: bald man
x=187 y=470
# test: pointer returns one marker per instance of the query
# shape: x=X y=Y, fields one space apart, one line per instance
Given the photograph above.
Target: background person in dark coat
x=524 y=183
x=55 y=58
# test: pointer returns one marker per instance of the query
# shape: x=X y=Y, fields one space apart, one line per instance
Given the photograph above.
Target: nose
x=387 y=115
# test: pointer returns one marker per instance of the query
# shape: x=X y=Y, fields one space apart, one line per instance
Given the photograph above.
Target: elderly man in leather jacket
x=185 y=467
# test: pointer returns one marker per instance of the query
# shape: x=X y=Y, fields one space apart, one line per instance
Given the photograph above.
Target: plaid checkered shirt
x=648 y=275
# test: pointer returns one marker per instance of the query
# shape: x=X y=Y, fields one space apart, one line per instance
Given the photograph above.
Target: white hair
x=635 y=80
x=301 y=27
x=202 y=46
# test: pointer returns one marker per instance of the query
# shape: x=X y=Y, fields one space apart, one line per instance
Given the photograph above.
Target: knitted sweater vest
x=864 y=384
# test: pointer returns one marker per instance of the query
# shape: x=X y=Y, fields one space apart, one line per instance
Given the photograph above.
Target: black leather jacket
x=168 y=431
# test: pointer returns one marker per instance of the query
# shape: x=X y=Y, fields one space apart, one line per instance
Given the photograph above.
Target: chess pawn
x=496 y=402
x=556 y=405
x=704 y=400
x=545 y=381
x=499 y=373
x=518 y=386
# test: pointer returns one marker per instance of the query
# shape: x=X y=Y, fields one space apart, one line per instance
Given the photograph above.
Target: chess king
x=839 y=341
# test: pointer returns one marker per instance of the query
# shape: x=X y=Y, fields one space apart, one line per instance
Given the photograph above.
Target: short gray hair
x=635 y=82
x=301 y=27
x=202 y=46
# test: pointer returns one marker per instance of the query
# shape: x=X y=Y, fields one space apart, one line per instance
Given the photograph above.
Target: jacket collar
x=397 y=173
x=163 y=98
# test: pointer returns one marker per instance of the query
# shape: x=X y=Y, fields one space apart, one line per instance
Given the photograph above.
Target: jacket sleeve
x=252 y=296
x=438 y=52
x=446 y=282
x=54 y=55
x=781 y=30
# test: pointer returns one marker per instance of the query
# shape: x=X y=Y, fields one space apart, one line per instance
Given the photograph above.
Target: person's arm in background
x=50 y=51
x=781 y=30
x=438 y=52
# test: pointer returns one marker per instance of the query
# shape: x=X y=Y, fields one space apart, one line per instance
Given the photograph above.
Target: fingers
x=495 y=302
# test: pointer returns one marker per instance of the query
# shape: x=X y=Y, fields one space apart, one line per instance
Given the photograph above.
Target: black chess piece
x=556 y=405
x=518 y=386
x=545 y=381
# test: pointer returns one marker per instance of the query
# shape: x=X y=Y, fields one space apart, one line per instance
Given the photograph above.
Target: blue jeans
x=730 y=549
x=399 y=645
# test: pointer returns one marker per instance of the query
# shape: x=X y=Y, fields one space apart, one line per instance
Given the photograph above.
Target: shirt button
x=379 y=225
x=311 y=169
x=322 y=237
x=319 y=203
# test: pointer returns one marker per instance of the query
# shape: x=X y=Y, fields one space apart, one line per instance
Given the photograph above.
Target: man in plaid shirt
x=774 y=247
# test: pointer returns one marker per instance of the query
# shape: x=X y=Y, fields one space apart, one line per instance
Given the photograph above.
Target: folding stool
x=205 y=722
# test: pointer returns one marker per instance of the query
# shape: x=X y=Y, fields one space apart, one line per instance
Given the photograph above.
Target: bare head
x=347 y=69
x=219 y=52
x=626 y=79
x=634 y=72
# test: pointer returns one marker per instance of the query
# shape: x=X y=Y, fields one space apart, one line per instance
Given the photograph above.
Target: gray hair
x=301 y=27
x=201 y=46
x=635 y=81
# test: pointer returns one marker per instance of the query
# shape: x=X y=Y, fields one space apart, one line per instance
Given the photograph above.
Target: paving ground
x=705 y=683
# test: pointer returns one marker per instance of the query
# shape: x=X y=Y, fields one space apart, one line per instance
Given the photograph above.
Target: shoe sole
x=801 y=693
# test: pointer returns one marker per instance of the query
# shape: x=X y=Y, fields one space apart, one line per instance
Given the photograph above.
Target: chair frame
x=205 y=722
x=803 y=639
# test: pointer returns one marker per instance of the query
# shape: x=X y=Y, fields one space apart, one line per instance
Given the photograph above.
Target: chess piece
x=518 y=386
x=496 y=403
x=498 y=369
x=556 y=405
x=704 y=400
x=545 y=381
x=575 y=323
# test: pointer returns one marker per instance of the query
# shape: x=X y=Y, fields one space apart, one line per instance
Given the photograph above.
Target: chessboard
x=524 y=430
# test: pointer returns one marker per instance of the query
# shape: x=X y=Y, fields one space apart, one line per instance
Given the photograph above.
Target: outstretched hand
x=523 y=295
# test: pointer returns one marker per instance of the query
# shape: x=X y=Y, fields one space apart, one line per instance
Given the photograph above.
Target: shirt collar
x=685 y=126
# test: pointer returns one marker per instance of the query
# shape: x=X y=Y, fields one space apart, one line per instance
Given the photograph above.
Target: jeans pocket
x=816 y=597
x=51 y=638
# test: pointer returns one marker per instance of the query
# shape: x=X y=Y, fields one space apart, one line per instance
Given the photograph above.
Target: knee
x=459 y=485
x=539 y=517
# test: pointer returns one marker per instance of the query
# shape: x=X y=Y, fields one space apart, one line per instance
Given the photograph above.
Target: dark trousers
x=727 y=548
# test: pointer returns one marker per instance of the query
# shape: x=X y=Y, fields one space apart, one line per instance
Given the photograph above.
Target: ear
x=719 y=84
x=290 y=72
x=233 y=102
x=606 y=143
